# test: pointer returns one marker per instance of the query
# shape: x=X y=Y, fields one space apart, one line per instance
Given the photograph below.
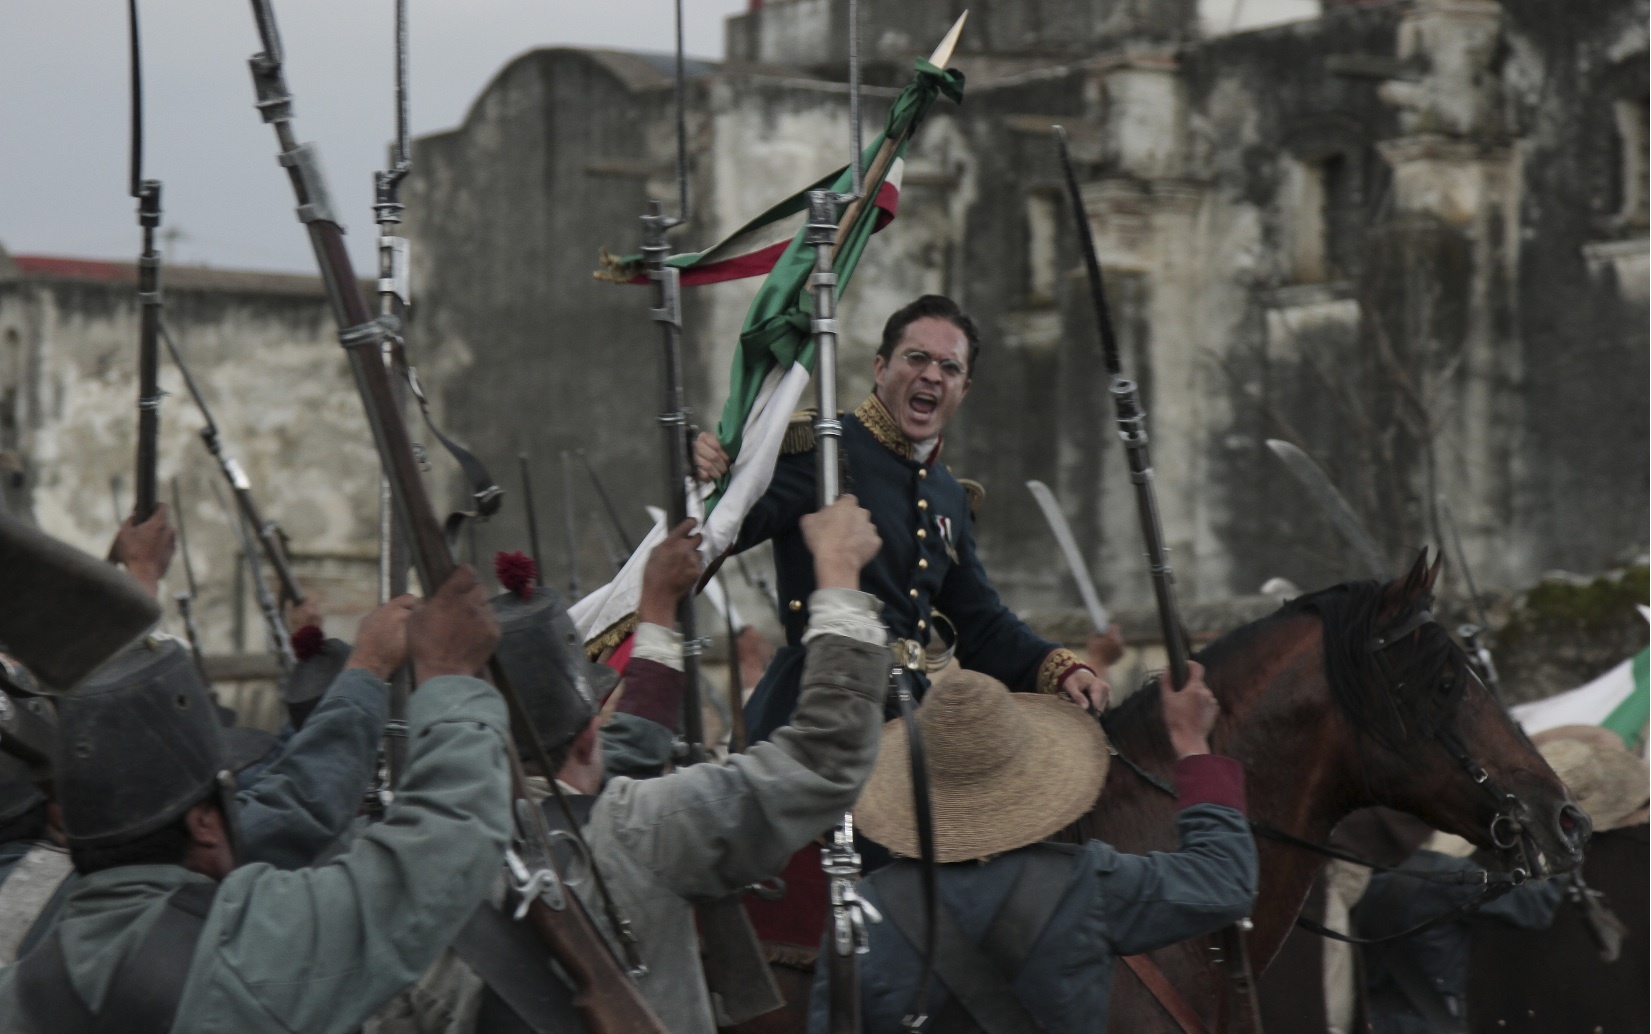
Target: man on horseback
x=1027 y=931
x=928 y=569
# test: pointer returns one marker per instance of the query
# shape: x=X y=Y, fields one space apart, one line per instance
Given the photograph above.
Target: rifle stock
x=610 y=1003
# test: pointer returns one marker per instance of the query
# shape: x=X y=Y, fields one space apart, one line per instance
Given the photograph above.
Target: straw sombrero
x=1005 y=770
x=1608 y=782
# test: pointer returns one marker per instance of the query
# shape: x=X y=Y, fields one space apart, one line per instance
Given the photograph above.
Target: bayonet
x=269 y=534
x=608 y=1001
x=1334 y=505
x=148 y=194
x=570 y=528
x=275 y=626
x=613 y=513
x=757 y=581
x=532 y=520
x=1132 y=428
x=717 y=592
x=186 y=599
x=1469 y=632
x=1069 y=549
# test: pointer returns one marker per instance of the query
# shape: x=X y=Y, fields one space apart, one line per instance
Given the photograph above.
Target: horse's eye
x=1447 y=684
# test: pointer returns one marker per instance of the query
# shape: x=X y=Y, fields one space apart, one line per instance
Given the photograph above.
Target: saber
x=1334 y=505
x=1132 y=428
x=186 y=599
x=607 y=1000
x=1470 y=633
x=145 y=492
x=269 y=533
x=1069 y=549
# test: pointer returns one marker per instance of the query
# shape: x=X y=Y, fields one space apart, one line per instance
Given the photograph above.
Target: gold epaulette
x=799 y=433
x=976 y=492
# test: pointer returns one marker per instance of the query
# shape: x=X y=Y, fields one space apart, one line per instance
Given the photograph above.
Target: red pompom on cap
x=516 y=572
x=307 y=642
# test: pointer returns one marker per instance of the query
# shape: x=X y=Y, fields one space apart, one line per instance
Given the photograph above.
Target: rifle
x=1132 y=428
x=268 y=533
x=735 y=968
x=186 y=599
x=532 y=521
x=608 y=1002
x=275 y=626
x=148 y=193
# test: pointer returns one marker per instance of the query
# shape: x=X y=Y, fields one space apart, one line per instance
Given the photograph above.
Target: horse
x=1344 y=698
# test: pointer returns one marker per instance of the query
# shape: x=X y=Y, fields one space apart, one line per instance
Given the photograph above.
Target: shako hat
x=139 y=743
x=544 y=655
x=990 y=754
x=320 y=661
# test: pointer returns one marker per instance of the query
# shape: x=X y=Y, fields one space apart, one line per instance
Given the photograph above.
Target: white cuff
x=846 y=612
x=658 y=643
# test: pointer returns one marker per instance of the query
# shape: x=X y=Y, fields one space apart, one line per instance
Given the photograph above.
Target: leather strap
x=25 y=893
x=524 y=993
x=979 y=976
x=1179 y=1009
x=144 y=996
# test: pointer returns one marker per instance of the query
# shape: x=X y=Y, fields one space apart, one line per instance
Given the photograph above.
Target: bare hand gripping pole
x=148 y=192
x=1132 y=428
x=607 y=1000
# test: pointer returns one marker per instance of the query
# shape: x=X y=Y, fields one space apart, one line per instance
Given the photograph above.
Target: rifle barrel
x=532 y=518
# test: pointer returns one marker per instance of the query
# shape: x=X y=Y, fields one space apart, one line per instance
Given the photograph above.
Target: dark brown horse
x=1348 y=697
x=1344 y=698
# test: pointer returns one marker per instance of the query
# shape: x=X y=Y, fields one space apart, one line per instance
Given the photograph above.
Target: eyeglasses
x=919 y=361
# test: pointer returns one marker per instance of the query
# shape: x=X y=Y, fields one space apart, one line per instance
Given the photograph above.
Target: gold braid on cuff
x=1060 y=663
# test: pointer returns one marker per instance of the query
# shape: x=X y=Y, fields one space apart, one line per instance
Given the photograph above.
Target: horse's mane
x=1405 y=701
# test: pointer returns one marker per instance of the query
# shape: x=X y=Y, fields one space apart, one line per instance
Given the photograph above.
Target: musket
x=1069 y=549
x=758 y=582
x=607 y=1000
x=1132 y=428
x=1471 y=633
x=268 y=533
x=735 y=968
x=275 y=626
x=186 y=598
x=145 y=492
x=532 y=519
x=570 y=529
x=1334 y=504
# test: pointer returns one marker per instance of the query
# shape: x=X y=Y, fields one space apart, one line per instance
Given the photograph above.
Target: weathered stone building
x=1410 y=236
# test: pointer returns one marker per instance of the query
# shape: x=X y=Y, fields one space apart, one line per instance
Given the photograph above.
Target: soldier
x=928 y=569
x=165 y=931
x=707 y=831
x=1029 y=930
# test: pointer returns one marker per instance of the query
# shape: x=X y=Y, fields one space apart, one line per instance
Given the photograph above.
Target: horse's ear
x=1417 y=583
x=1433 y=571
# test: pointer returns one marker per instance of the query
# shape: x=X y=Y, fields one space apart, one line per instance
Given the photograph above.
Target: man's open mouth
x=923 y=404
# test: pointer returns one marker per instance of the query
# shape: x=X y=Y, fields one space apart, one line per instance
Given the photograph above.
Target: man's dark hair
x=168 y=845
x=930 y=306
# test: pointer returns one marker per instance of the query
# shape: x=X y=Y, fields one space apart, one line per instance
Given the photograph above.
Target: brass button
x=922 y=504
x=913 y=594
x=922 y=472
x=922 y=564
x=921 y=624
x=922 y=534
x=796 y=605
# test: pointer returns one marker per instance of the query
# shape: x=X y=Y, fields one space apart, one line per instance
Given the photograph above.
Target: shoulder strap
x=524 y=993
x=979 y=979
x=147 y=988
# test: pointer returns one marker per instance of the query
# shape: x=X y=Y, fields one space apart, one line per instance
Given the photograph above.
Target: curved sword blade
x=1319 y=486
x=1069 y=549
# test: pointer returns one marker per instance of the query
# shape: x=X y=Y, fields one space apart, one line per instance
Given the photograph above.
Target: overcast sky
x=64 y=107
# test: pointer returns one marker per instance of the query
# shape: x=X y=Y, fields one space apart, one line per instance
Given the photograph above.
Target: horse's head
x=1431 y=739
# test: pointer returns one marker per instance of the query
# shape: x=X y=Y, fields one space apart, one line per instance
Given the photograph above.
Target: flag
x=775 y=355
x=1619 y=700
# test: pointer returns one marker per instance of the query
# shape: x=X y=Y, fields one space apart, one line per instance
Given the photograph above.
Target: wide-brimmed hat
x=1005 y=770
x=1608 y=782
